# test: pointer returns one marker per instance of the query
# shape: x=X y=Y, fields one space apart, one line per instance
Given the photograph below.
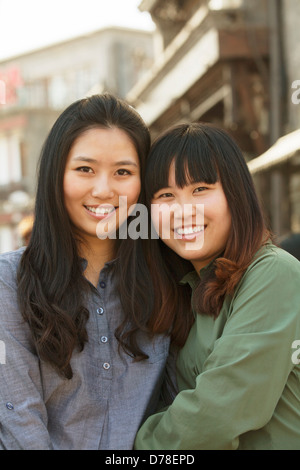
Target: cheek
x=128 y=195
x=155 y=218
x=72 y=188
x=161 y=218
x=216 y=208
x=226 y=215
x=75 y=189
x=224 y=219
x=132 y=191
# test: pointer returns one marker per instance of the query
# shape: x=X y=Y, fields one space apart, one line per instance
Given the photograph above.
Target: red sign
x=10 y=81
x=2 y=92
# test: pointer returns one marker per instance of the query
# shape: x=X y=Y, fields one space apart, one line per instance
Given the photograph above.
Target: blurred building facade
x=212 y=66
x=232 y=63
x=37 y=86
x=277 y=171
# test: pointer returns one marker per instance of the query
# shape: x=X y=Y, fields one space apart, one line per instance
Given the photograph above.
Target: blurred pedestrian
x=238 y=373
x=85 y=357
x=291 y=244
x=25 y=229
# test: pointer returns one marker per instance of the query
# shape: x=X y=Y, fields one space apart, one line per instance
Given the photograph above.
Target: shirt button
x=106 y=365
x=103 y=339
x=100 y=311
x=9 y=406
x=102 y=284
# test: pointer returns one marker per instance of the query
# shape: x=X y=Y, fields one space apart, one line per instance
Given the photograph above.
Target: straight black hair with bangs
x=193 y=162
x=204 y=153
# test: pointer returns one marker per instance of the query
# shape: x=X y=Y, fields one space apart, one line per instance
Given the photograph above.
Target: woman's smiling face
x=194 y=221
x=102 y=169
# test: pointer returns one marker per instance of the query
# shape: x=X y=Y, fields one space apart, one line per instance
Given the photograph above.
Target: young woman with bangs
x=84 y=352
x=237 y=377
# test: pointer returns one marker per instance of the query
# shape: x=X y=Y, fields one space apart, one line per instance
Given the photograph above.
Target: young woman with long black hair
x=238 y=373
x=84 y=350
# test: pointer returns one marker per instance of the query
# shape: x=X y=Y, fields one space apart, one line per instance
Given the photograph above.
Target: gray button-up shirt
x=104 y=403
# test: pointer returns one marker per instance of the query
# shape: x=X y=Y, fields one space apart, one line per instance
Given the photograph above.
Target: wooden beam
x=243 y=43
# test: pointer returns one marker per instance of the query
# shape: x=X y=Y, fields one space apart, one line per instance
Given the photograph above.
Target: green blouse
x=239 y=375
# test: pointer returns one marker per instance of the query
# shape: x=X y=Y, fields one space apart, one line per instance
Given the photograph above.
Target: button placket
x=103 y=330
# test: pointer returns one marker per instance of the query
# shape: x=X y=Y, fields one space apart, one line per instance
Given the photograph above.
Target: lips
x=190 y=232
x=100 y=211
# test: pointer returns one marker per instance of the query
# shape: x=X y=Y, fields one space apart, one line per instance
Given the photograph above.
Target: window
x=10 y=159
x=4 y=173
x=225 y=4
x=2 y=92
x=6 y=239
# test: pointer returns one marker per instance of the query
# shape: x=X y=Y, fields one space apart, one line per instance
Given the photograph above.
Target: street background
x=234 y=63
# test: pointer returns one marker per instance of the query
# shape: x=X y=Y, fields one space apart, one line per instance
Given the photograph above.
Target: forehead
x=103 y=144
x=100 y=137
x=184 y=170
x=181 y=175
x=194 y=160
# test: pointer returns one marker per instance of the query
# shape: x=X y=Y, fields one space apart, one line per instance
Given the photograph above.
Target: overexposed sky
x=29 y=24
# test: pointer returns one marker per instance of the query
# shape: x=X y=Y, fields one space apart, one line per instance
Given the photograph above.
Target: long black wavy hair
x=51 y=284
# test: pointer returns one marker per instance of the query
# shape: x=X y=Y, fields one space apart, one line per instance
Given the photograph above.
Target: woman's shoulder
x=9 y=262
x=272 y=268
x=271 y=284
x=12 y=327
x=12 y=257
x=275 y=257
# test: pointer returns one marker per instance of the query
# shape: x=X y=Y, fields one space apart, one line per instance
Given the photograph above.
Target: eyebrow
x=126 y=162
x=92 y=160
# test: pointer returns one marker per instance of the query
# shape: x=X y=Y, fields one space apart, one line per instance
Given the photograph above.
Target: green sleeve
x=245 y=374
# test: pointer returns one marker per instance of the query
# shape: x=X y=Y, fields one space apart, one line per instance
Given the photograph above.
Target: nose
x=187 y=213
x=184 y=209
x=103 y=188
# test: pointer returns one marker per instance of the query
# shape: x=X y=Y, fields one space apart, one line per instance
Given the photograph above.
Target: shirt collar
x=192 y=278
x=84 y=263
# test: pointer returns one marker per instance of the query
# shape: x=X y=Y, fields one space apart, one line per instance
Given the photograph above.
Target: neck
x=97 y=253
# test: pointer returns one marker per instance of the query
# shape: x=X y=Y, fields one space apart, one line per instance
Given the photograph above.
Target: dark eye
x=200 y=189
x=165 y=195
x=84 y=169
x=123 y=172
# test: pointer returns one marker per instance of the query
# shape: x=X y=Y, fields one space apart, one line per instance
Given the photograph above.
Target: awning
x=282 y=150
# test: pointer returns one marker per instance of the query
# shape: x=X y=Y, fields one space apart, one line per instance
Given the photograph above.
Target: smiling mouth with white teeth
x=100 y=211
x=189 y=232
